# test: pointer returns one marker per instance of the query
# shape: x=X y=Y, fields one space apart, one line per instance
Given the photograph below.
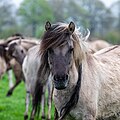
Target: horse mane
x=18 y=35
x=56 y=36
x=2 y=50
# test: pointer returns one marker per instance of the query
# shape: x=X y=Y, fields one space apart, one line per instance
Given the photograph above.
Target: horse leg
x=10 y=77
x=50 y=94
x=18 y=76
x=33 y=111
x=27 y=101
x=43 y=103
x=10 y=91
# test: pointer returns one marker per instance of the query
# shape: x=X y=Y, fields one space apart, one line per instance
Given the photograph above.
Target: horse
x=14 y=47
x=86 y=85
x=17 y=50
x=30 y=68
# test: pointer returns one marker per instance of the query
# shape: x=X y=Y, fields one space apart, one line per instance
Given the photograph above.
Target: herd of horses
x=82 y=78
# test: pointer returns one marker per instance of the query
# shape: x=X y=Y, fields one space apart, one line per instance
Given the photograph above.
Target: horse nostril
x=60 y=77
x=66 y=77
x=57 y=77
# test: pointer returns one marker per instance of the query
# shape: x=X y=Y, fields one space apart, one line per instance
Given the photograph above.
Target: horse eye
x=22 y=51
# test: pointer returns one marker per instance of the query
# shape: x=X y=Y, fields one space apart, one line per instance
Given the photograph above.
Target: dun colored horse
x=86 y=85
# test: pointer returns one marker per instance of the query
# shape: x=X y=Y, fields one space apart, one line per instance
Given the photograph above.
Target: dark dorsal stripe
x=74 y=98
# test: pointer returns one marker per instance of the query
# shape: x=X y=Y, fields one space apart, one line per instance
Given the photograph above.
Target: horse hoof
x=43 y=117
x=25 y=117
x=31 y=118
x=9 y=93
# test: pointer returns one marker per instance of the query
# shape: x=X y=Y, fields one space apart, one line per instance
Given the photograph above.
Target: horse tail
x=37 y=97
x=41 y=81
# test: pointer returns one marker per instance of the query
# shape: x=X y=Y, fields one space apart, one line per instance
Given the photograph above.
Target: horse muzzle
x=60 y=82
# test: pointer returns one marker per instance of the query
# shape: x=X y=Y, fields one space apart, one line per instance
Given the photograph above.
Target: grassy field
x=12 y=108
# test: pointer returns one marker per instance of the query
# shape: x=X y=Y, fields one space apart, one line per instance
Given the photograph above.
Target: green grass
x=13 y=107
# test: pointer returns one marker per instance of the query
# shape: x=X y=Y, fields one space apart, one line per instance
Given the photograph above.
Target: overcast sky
x=17 y=2
x=106 y=2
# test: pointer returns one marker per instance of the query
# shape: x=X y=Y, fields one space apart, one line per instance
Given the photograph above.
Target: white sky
x=17 y=2
x=106 y=2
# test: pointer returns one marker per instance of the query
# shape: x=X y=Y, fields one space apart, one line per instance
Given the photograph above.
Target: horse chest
x=61 y=98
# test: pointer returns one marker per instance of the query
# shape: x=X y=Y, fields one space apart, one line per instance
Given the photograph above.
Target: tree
x=7 y=19
x=35 y=13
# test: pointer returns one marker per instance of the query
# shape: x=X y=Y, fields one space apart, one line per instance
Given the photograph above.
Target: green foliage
x=7 y=19
x=32 y=15
x=35 y=13
x=113 y=37
x=40 y=31
x=8 y=32
x=11 y=108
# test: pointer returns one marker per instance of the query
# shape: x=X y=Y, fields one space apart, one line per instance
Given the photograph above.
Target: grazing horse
x=86 y=85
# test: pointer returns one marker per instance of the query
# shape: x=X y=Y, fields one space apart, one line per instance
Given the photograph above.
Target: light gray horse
x=31 y=65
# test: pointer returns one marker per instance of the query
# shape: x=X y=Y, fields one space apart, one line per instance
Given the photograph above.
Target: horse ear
x=71 y=27
x=47 y=25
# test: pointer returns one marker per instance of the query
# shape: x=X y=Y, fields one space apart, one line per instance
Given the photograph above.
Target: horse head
x=16 y=51
x=59 y=45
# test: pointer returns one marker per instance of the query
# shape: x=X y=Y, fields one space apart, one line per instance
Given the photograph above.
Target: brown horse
x=16 y=46
x=86 y=86
x=17 y=49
